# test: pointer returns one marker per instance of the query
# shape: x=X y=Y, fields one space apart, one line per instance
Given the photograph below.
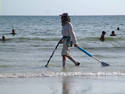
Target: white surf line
x=58 y=74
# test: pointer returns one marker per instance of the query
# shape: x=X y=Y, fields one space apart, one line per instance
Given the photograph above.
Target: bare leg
x=64 y=60
x=70 y=57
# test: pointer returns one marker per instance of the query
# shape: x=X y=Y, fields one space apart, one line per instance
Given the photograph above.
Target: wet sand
x=63 y=85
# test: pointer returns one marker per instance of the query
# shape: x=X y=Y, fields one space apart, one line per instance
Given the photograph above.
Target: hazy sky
x=56 y=7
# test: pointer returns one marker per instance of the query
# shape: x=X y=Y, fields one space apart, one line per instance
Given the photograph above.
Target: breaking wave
x=59 y=74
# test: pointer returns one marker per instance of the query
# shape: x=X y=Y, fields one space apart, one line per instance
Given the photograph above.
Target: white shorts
x=65 y=49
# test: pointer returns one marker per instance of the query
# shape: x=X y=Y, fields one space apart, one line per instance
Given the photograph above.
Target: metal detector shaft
x=52 y=53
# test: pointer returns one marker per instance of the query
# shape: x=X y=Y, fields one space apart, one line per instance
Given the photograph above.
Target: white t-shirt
x=67 y=30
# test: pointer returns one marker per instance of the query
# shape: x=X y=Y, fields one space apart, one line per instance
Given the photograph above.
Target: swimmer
x=113 y=33
x=118 y=28
x=102 y=38
x=13 y=32
x=3 y=38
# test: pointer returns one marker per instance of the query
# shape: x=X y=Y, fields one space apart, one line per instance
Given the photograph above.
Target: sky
x=56 y=7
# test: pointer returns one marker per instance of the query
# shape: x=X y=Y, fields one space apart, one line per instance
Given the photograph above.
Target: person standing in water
x=102 y=38
x=68 y=39
x=13 y=32
x=3 y=38
x=113 y=33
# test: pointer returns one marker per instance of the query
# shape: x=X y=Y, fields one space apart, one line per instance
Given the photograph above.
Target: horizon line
x=71 y=15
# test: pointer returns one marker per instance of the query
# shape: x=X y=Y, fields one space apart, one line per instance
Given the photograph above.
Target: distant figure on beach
x=68 y=38
x=113 y=33
x=102 y=38
x=3 y=38
x=13 y=32
x=118 y=28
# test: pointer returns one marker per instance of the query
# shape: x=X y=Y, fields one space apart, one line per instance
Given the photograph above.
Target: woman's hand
x=60 y=41
x=75 y=45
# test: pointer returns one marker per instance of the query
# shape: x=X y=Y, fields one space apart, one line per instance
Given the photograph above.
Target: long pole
x=52 y=54
x=83 y=50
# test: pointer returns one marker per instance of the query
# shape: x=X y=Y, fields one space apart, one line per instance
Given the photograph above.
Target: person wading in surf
x=102 y=38
x=113 y=33
x=68 y=39
x=3 y=38
x=13 y=32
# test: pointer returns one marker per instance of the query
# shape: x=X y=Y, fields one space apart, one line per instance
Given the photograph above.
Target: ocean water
x=25 y=54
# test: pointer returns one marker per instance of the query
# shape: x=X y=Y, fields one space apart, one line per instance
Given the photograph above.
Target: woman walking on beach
x=68 y=39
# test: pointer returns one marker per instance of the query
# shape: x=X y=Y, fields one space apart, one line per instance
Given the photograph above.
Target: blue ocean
x=37 y=36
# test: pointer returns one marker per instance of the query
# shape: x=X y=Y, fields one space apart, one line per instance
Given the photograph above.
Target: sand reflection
x=66 y=86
